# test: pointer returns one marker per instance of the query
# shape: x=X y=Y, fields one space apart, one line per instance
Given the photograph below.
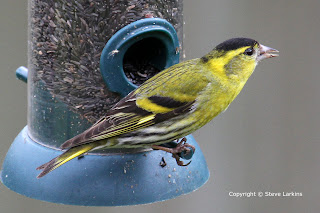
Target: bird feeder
x=84 y=56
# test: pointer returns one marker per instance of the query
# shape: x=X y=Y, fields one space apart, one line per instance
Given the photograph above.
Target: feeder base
x=101 y=180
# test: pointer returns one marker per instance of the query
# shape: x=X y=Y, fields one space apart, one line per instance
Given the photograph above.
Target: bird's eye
x=249 y=51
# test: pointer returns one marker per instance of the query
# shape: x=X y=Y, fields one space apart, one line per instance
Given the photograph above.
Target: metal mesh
x=67 y=38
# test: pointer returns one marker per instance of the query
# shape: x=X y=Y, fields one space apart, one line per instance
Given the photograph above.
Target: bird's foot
x=182 y=147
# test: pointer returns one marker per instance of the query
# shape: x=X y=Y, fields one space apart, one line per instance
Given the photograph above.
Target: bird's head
x=237 y=58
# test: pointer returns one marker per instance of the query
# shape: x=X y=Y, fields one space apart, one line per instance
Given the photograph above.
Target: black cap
x=236 y=43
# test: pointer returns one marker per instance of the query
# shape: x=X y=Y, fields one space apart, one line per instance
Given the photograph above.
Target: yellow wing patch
x=146 y=104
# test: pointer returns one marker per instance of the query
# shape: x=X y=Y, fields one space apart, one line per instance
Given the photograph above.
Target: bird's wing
x=144 y=107
x=127 y=116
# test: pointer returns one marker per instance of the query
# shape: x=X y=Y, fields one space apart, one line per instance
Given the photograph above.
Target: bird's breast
x=211 y=102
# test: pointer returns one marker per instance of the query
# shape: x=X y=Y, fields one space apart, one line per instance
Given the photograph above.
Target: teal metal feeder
x=67 y=91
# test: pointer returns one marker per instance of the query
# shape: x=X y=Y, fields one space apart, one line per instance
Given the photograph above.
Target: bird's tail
x=65 y=157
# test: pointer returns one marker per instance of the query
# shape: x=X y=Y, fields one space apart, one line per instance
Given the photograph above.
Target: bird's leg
x=176 y=151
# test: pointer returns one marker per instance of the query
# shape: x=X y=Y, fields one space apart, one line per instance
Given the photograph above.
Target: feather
x=124 y=115
x=65 y=157
x=120 y=120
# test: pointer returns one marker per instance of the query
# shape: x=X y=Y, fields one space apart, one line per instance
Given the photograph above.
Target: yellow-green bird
x=172 y=104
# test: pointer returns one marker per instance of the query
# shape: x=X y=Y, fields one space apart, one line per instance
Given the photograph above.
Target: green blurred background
x=268 y=140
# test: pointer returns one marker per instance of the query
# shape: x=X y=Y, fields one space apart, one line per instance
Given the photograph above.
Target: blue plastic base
x=101 y=180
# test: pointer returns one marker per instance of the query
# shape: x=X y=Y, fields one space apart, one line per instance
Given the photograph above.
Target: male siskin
x=172 y=104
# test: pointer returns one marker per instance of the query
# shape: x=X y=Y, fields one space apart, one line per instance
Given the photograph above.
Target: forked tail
x=65 y=157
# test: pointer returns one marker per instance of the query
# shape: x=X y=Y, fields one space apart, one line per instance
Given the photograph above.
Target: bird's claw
x=182 y=147
x=179 y=162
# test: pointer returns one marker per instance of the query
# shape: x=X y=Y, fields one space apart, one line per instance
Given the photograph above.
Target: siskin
x=172 y=104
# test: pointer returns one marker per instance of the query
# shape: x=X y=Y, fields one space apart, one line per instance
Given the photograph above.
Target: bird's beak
x=266 y=52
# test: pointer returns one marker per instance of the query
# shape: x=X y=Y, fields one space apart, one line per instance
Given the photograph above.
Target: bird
x=172 y=104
